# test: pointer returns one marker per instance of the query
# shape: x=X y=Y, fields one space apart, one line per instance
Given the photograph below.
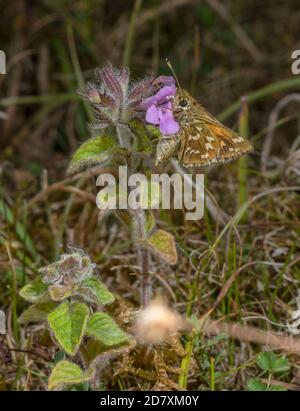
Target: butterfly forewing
x=204 y=140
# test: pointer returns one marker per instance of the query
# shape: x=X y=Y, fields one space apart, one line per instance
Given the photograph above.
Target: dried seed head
x=155 y=323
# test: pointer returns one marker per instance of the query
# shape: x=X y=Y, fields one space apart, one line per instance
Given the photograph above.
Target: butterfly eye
x=183 y=103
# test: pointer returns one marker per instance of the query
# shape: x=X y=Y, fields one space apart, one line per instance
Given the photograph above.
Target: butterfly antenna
x=171 y=68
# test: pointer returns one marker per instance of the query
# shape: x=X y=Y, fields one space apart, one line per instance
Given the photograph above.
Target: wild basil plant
x=66 y=296
x=128 y=120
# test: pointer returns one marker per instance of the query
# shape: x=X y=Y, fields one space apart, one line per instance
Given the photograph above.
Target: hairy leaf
x=104 y=328
x=163 y=245
x=98 y=290
x=37 y=312
x=34 y=291
x=92 y=152
x=68 y=322
x=66 y=373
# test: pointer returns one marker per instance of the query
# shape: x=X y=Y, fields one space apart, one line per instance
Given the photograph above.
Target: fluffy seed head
x=155 y=323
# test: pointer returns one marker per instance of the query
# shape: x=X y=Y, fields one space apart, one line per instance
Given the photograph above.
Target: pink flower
x=159 y=107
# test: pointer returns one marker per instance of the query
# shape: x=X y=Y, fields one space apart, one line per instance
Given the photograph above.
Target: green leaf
x=59 y=356
x=91 y=349
x=145 y=135
x=255 y=384
x=68 y=322
x=98 y=290
x=34 y=291
x=269 y=361
x=104 y=328
x=66 y=373
x=163 y=245
x=37 y=312
x=92 y=152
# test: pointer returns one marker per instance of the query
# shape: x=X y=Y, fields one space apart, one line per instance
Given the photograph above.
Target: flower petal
x=167 y=124
x=164 y=93
x=159 y=98
x=152 y=115
x=148 y=102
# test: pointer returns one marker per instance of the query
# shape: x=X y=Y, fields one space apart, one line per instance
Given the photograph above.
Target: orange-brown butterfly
x=202 y=140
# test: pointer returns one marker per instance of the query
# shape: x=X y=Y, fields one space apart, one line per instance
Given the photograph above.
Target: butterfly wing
x=207 y=142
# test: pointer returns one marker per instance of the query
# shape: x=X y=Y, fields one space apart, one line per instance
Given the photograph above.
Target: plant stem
x=243 y=161
x=14 y=295
x=120 y=137
x=143 y=257
x=185 y=364
x=269 y=381
x=212 y=374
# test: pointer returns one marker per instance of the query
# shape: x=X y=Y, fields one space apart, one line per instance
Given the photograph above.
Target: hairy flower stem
x=120 y=137
x=139 y=234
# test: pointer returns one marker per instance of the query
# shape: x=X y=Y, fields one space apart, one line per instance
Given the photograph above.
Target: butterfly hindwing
x=205 y=143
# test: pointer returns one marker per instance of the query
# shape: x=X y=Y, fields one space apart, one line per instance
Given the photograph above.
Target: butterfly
x=202 y=140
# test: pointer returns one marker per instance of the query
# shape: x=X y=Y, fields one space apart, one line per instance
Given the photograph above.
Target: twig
x=251 y=334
